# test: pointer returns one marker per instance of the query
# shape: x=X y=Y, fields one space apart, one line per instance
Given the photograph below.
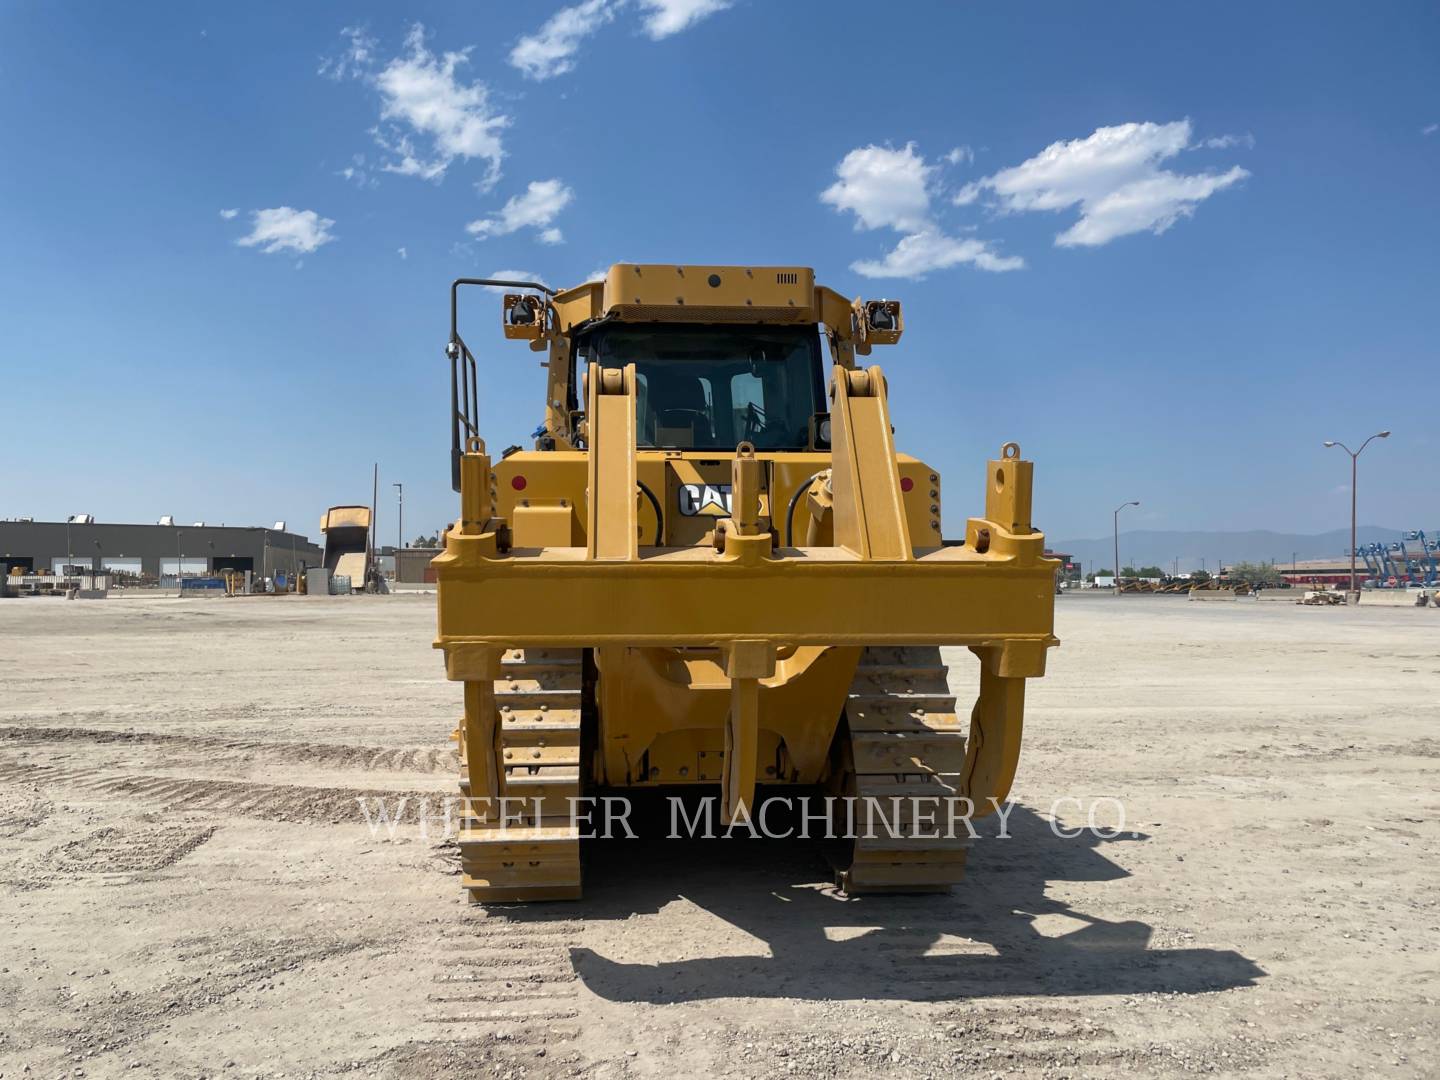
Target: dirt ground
x=188 y=887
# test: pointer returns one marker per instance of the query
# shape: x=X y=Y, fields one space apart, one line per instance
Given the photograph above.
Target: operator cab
x=711 y=387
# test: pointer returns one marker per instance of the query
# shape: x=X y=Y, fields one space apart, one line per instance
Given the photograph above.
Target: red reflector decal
x=518 y=483
x=906 y=483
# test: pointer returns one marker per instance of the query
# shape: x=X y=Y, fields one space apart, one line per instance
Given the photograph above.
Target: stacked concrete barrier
x=1393 y=598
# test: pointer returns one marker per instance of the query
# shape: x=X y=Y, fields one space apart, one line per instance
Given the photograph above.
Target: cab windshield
x=713 y=387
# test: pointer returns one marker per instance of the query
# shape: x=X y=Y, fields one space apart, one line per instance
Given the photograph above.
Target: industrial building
x=414 y=564
x=152 y=552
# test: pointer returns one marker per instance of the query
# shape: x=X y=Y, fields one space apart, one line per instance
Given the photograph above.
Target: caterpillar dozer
x=714 y=571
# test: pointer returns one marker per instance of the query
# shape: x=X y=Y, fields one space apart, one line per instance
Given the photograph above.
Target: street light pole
x=1132 y=502
x=1354 y=500
x=399 y=525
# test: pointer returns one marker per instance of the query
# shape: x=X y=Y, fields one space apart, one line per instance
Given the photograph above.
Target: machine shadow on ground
x=997 y=934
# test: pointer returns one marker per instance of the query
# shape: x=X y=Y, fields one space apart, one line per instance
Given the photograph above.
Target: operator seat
x=678 y=401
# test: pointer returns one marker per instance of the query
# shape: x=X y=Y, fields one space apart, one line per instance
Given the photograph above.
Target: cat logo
x=705 y=500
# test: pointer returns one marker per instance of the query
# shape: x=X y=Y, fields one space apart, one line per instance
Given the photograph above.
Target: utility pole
x=1132 y=502
x=399 y=526
x=1354 y=473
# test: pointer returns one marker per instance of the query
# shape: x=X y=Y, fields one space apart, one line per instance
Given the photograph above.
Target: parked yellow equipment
x=710 y=572
x=347 y=543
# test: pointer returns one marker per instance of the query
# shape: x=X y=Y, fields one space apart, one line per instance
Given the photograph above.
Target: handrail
x=455 y=295
x=464 y=392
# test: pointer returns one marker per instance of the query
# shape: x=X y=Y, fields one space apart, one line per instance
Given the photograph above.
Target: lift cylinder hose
x=795 y=501
x=659 y=514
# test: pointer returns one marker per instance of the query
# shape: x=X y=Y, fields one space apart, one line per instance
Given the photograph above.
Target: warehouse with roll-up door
x=152 y=553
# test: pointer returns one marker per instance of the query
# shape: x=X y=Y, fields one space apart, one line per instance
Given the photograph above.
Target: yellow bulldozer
x=714 y=572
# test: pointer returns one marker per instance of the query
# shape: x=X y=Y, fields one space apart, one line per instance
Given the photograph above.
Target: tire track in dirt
x=510 y=981
x=209 y=972
x=425 y=760
x=128 y=850
x=21 y=811
x=1050 y=1037
x=268 y=802
x=112 y=855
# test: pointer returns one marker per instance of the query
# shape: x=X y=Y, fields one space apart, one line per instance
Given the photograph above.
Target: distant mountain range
x=1160 y=548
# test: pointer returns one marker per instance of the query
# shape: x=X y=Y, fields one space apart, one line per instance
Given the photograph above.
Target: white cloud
x=402 y=253
x=229 y=215
x=883 y=187
x=283 y=228
x=1430 y=129
x=666 y=17
x=513 y=275
x=554 y=48
x=967 y=194
x=888 y=188
x=1153 y=203
x=1113 y=176
x=550 y=51
x=537 y=208
x=358 y=172
x=354 y=59
x=919 y=253
x=961 y=155
x=1065 y=173
x=420 y=92
x=429 y=118
x=1226 y=142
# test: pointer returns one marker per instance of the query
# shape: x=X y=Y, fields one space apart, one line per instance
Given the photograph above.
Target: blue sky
x=1167 y=250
